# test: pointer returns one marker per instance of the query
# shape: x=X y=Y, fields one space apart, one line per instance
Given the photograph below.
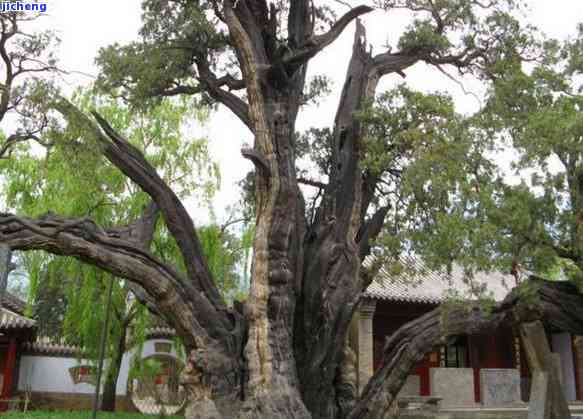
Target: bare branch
x=370 y=230
x=258 y=160
x=141 y=231
x=311 y=182
x=14 y=139
x=299 y=24
x=213 y=86
x=317 y=43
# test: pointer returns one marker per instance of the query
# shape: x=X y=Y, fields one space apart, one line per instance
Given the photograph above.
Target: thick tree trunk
x=113 y=368
x=273 y=382
x=332 y=283
x=272 y=388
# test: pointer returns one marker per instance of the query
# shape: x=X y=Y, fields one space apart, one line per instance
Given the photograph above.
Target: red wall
x=485 y=351
x=490 y=351
x=388 y=318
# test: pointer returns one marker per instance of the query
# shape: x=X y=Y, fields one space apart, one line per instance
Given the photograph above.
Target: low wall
x=50 y=380
x=412 y=386
x=51 y=373
x=50 y=401
x=454 y=385
x=499 y=387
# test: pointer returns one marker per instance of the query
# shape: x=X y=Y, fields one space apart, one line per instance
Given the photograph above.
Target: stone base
x=455 y=386
x=412 y=386
x=499 y=387
x=203 y=409
x=49 y=401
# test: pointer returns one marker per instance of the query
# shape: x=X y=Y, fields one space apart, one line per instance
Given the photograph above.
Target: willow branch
x=133 y=164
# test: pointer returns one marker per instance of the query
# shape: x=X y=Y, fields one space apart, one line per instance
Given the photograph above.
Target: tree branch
x=370 y=230
x=85 y=241
x=258 y=160
x=213 y=86
x=317 y=43
x=141 y=231
x=133 y=164
x=311 y=182
x=299 y=24
x=13 y=139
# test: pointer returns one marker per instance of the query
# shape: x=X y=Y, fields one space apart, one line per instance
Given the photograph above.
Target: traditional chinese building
x=474 y=370
x=15 y=331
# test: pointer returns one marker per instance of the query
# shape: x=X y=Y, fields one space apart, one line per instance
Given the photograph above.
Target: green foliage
x=434 y=173
x=29 y=64
x=223 y=252
x=71 y=178
x=178 y=36
x=440 y=171
x=443 y=29
x=226 y=254
x=73 y=167
x=538 y=111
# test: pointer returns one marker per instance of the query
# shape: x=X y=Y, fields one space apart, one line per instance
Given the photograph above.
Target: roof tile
x=419 y=284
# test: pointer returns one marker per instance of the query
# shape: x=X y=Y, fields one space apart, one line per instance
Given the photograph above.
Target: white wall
x=51 y=374
x=562 y=345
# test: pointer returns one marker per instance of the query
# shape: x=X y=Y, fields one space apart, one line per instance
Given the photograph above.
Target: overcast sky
x=86 y=26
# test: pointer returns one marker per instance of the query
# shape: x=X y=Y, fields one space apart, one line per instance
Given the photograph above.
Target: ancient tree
x=280 y=354
x=27 y=60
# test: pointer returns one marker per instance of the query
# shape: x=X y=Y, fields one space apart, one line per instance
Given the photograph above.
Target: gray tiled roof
x=160 y=332
x=12 y=321
x=418 y=284
x=12 y=303
x=48 y=346
x=45 y=346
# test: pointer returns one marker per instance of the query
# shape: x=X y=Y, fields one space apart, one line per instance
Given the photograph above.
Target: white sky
x=86 y=26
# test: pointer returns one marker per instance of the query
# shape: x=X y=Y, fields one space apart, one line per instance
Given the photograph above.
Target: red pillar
x=474 y=363
x=9 y=369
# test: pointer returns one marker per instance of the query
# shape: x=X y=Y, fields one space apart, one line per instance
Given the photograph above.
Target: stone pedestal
x=454 y=385
x=412 y=386
x=539 y=407
x=365 y=343
x=541 y=360
x=499 y=387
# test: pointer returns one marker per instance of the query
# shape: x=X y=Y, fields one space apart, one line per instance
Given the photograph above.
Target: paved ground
x=483 y=413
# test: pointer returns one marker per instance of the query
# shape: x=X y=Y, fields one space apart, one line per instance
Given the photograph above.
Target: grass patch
x=81 y=415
